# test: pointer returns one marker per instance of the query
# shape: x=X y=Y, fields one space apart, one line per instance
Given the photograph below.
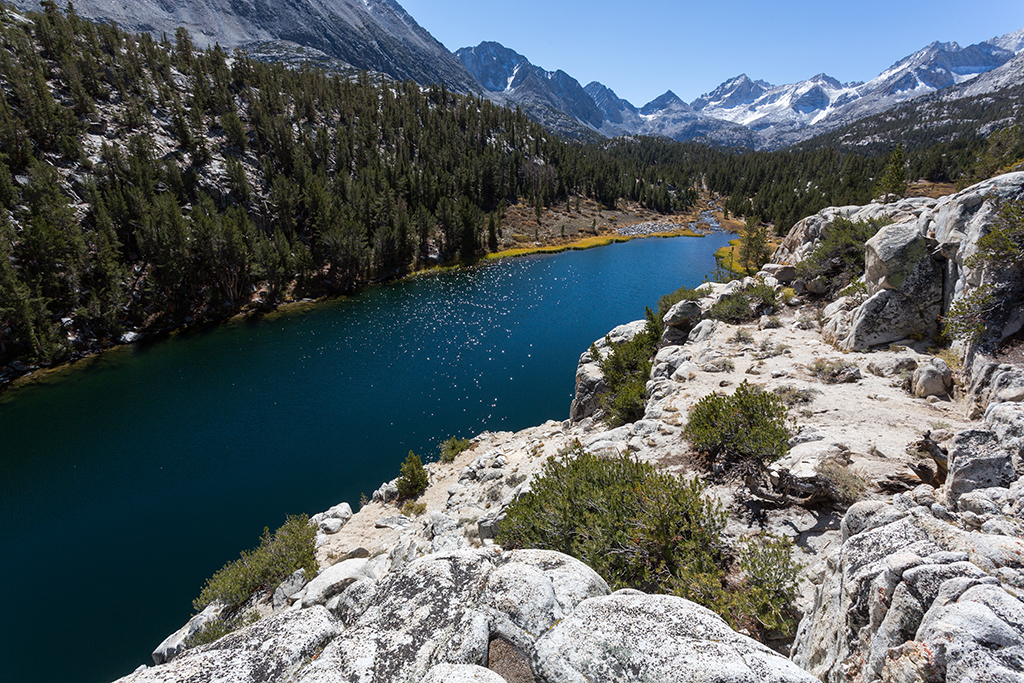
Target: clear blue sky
x=641 y=48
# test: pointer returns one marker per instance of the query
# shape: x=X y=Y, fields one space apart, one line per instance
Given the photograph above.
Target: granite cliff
x=921 y=580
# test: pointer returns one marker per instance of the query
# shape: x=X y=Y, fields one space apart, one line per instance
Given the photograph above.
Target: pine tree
x=893 y=181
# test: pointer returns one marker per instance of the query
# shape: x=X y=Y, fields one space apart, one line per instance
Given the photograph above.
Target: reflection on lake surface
x=126 y=480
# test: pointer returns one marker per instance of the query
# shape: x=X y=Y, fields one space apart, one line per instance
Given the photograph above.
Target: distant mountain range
x=380 y=36
x=748 y=112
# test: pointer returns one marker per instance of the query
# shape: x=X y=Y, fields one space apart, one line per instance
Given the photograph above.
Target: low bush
x=839 y=257
x=847 y=486
x=667 y=301
x=747 y=427
x=289 y=548
x=626 y=370
x=413 y=509
x=745 y=305
x=792 y=396
x=413 y=478
x=769 y=583
x=644 y=529
x=451 y=447
x=635 y=526
x=742 y=336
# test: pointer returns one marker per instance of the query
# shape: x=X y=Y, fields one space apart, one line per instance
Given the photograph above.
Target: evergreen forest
x=146 y=183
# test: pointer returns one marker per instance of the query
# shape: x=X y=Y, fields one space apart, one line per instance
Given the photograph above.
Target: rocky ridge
x=372 y=35
x=920 y=581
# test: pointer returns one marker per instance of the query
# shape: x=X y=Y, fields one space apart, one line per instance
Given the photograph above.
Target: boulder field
x=921 y=580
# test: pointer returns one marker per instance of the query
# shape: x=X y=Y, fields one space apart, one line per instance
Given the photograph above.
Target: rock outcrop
x=917 y=268
x=929 y=588
x=923 y=585
x=454 y=614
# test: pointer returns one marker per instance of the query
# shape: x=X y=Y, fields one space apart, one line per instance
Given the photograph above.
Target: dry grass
x=561 y=227
x=924 y=188
x=730 y=259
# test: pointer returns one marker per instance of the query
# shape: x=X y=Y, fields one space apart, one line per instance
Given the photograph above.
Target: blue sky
x=641 y=48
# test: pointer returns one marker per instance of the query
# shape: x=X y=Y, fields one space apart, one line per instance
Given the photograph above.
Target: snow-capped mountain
x=741 y=111
x=508 y=77
x=376 y=35
x=759 y=105
x=735 y=92
x=790 y=113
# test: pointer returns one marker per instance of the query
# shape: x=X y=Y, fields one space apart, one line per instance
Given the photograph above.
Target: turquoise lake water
x=130 y=478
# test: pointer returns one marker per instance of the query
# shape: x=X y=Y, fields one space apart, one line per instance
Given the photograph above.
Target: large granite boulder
x=679 y=320
x=447 y=608
x=272 y=649
x=174 y=644
x=632 y=636
x=932 y=378
x=335 y=579
x=904 y=282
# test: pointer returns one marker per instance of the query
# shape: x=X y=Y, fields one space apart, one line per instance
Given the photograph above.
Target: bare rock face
x=929 y=588
x=376 y=35
x=632 y=636
x=904 y=284
x=446 y=609
x=269 y=650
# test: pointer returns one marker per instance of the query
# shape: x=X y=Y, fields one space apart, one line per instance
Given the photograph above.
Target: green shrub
x=749 y=426
x=413 y=509
x=839 y=256
x=644 y=529
x=769 y=582
x=667 y=301
x=279 y=554
x=746 y=305
x=413 y=478
x=451 y=447
x=742 y=336
x=633 y=525
x=626 y=370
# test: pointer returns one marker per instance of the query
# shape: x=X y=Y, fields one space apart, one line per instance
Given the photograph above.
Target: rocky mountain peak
x=493 y=64
x=667 y=101
x=733 y=92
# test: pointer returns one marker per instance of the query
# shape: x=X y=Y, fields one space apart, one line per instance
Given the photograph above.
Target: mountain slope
x=376 y=35
x=554 y=98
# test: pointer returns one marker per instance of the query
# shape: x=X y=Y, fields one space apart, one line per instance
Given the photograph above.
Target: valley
x=252 y=256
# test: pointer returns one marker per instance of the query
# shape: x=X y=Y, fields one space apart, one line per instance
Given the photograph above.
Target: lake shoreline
x=33 y=374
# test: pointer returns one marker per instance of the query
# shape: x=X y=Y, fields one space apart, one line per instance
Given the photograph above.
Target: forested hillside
x=145 y=184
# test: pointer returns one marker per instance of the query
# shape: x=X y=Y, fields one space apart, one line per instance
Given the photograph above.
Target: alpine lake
x=129 y=478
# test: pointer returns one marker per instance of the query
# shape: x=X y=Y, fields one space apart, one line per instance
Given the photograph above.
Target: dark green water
x=127 y=480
